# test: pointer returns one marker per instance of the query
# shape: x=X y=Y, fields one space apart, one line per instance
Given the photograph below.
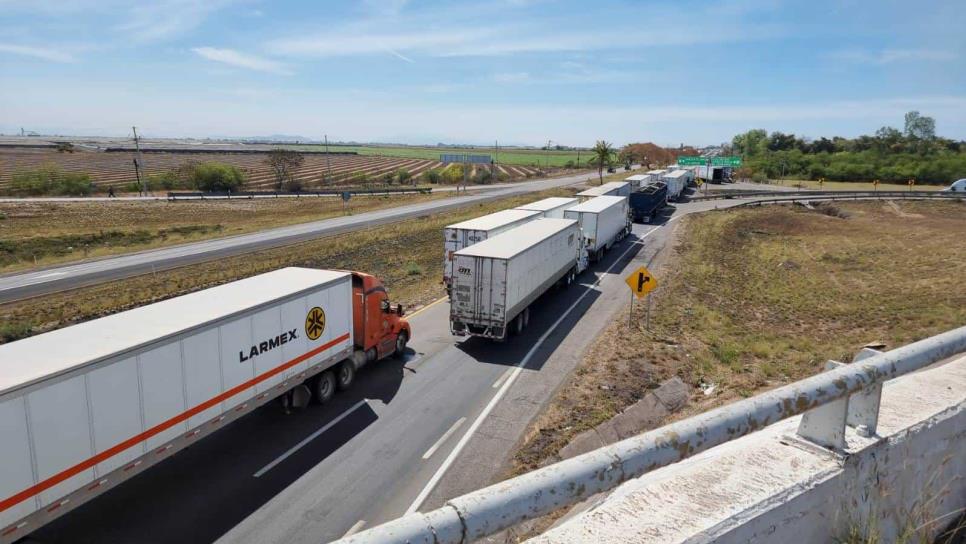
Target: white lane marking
x=308 y=439
x=50 y=275
x=504 y=376
x=438 y=475
x=429 y=453
x=355 y=528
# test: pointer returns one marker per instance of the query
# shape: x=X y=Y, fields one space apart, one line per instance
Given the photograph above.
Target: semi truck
x=613 y=188
x=677 y=181
x=603 y=221
x=86 y=407
x=497 y=281
x=637 y=180
x=552 y=207
x=648 y=201
x=472 y=231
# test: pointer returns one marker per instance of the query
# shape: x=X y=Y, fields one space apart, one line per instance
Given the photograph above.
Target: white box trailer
x=551 y=208
x=603 y=221
x=497 y=280
x=637 y=180
x=654 y=176
x=88 y=406
x=613 y=188
x=472 y=231
x=677 y=181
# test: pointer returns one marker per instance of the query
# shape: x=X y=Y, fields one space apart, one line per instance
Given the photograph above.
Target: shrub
x=453 y=174
x=51 y=180
x=483 y=176
x=169 y=180
x=403 y=176
x=432 y=176
x=216 y=176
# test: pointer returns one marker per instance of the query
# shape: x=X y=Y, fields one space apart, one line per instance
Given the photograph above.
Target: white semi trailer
x=613 y=188
x=677 y=181
x=496 y=281
x=603 y=221
x=84 y=408
x=472 y=231
x=551 y=208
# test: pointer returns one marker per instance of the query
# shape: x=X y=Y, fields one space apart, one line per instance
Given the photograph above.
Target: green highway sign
x=691 y=161
x=726 y=161
x=715 y=161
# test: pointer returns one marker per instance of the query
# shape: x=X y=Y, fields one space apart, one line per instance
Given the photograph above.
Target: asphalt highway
x=70 y=276
x=409 y=433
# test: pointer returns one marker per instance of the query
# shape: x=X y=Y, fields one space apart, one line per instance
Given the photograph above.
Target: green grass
x=511 y=156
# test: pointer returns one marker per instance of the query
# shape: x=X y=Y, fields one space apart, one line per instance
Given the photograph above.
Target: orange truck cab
x=379 y=329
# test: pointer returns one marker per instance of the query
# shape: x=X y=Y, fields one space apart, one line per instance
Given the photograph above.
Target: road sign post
x=641 y=282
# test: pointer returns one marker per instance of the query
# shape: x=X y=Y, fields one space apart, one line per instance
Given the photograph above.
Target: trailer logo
x=267 y=345
x=315 y=323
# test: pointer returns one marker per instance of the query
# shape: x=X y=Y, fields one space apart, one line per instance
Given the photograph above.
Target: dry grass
x=756 y=298
x=406 y=255
x=43 y=233
x=856 y=186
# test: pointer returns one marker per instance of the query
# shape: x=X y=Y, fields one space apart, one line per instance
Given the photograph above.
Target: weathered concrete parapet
x=772 y=486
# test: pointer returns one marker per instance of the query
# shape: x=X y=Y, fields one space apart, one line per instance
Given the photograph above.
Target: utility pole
x=328 y=165
x=548 y=154
x=578 y=158
x=142 y=183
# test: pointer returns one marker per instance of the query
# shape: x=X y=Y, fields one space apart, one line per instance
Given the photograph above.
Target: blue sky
x=519 y=71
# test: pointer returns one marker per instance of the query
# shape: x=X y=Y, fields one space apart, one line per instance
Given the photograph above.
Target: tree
x=779 y=141
x=216 y=176
x=920 y=126
x=284 y=163
x=751 y=143
x=602 y=154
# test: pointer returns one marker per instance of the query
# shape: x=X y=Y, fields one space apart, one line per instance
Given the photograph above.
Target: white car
x=958 y=186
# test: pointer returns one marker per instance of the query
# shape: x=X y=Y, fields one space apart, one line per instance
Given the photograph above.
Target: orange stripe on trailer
x=159 y=428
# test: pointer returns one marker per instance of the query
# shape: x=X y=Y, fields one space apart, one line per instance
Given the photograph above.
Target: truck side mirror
x=384 y=305
x=399 y=310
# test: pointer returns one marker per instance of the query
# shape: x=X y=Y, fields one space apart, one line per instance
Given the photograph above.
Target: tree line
x=889 y=155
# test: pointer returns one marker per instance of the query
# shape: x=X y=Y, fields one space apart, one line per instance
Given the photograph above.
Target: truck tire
x=401 y=340
x=345 y=375
x=518 y=324
x=526 y=317
x=323 y=387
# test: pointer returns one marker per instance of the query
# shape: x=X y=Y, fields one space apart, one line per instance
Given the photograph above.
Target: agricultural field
x=406 y=255
x=756 y=298
x=510 y=156
x=117 y=168
x=29 y=238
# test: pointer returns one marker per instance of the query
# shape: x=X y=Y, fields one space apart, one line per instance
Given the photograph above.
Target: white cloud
x=889 y=56
x=43 y=53
x=241 y=60
x=511 y=77
x=149 y=22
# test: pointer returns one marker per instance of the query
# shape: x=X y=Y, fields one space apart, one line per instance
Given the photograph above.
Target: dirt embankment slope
x=756 y=298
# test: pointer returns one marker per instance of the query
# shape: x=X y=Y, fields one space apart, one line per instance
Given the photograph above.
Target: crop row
x=117 y=169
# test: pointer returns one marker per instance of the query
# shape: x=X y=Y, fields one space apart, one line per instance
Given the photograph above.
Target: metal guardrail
x=195 y=195
x=793 y=195
x=845 y=395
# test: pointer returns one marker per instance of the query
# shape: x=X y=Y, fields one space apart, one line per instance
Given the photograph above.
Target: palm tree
x=603 y=152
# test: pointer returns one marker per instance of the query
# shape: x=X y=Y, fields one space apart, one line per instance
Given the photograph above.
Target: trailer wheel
x=518 y=324
x=323 y=387
x=401 y=340
x=345 y=376
x=526 y=317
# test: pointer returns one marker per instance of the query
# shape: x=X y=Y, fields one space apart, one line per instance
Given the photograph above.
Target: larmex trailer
x=472 y=231
x=613 y=188
x=89 y=406
x=497 y=280
x=647 y=201
x=551 y=208
x=603 y=221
